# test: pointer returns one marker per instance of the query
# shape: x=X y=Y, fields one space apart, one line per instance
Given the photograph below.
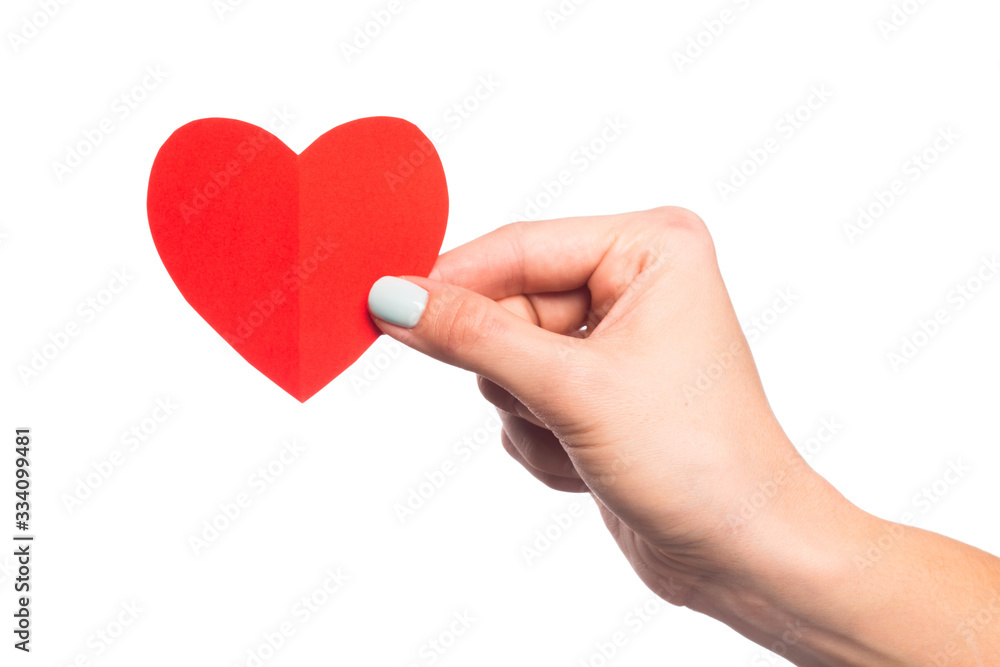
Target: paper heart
x=277 y=251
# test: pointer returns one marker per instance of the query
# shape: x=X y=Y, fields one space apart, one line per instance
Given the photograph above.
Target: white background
x=367 y=445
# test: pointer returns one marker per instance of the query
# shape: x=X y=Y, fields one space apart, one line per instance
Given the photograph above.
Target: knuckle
x=462 y=323
x=487 y=388
x=683 y=231
x=497 y=395
x=680 y=220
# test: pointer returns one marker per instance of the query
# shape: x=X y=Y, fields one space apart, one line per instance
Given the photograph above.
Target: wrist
x=790 y=580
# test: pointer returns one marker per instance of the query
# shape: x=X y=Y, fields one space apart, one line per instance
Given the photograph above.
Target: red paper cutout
x=277 y=251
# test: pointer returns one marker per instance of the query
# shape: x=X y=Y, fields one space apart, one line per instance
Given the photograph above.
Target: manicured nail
x=397 y=301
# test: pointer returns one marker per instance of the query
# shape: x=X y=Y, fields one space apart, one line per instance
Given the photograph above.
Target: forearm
x=824 y=583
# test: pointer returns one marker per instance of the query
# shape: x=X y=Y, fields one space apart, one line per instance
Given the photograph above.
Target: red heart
x=277 y=251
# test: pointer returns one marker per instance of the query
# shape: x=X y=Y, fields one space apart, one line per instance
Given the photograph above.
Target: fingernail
x=397 y=301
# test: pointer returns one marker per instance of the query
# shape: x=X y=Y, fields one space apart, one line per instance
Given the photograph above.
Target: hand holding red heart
x=593 y=337
x=703 y=492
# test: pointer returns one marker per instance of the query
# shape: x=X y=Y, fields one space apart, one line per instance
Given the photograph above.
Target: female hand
x=612 y=351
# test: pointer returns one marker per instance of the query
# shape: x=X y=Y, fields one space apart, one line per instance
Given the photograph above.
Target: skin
x=613 y=354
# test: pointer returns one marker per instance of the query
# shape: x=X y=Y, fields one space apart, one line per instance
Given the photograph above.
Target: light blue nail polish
x=397 y=301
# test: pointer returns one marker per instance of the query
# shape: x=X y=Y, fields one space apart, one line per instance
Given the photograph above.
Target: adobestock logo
x=249 y=150
x=292 y=282
x=786 y=128
x=32 y=24
x=926 y=499
x=914 y=168
x=131 y=440
x=756 y=503
x=974 y=622
x=87 y=311
x=435 y=647
x=637 y=619
x=303 y=610
x=558 y=15
x=580 y=160
x=121 y=108
x=711 y=31
x=957 y=299
x=544 y=538
x=223 y=8
x=434 y=481
x=231 y=510
x=409 y=163
x=365 y=34
x=707 y=377
x=899 y=17
x=791 y=635
x=465 y=108
x=756 y=326
x=374 y=362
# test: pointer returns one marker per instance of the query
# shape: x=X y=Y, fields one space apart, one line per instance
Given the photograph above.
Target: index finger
x=531 y=257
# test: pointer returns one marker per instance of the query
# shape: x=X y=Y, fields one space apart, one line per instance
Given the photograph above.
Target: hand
x=611 y=349
x=620 y=408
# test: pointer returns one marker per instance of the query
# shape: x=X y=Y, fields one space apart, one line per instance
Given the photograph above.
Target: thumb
x=468 y=330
